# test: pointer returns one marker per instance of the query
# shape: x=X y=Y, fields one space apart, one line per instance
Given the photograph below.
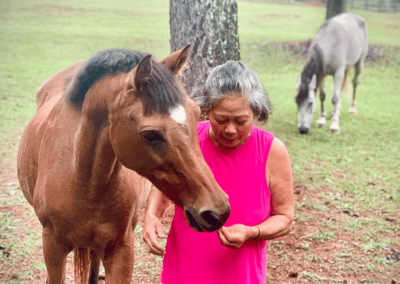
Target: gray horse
x=341 y=42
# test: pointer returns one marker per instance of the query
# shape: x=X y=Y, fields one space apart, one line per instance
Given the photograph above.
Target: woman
x=251 y=166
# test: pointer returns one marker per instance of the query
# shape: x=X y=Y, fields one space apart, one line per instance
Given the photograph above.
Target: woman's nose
x=230 y=129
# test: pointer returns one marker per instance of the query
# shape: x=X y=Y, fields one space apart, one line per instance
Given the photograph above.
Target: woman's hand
x=234 y=236
x=152 y=229
x=157 y=202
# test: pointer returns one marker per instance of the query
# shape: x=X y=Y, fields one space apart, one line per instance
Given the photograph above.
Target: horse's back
x=54 y=86
x=343 y=40
x=355 y=27
x=47 y=96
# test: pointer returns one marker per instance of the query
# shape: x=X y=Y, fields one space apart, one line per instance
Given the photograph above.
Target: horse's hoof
x=334 y=127
x=321 y=122
x=335 y=131
x=352 y=111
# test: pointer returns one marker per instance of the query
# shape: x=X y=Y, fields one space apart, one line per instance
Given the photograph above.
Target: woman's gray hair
x=234 y=78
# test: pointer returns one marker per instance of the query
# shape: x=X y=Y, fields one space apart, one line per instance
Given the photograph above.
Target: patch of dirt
x=282 y=16
x=298 y=257
x=314 y=3
x=55 y=10
x=396 y=27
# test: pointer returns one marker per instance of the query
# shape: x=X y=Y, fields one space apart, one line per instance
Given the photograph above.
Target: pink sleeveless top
x=199 y=258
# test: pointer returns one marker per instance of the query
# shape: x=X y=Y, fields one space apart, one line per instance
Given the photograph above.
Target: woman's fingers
x=225 y=242
x=232 y=236
x=155 y=250
x=222 y=238
x=152 y=244
x=152 y=228
x=160 y=231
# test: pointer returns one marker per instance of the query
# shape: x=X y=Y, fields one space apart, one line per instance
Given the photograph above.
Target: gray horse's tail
x=345 y=85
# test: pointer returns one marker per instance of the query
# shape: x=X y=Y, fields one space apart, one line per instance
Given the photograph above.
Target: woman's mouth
x=229 y=139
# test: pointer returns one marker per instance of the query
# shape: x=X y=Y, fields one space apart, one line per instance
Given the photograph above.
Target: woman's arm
x=280 y=183
x=157 y=203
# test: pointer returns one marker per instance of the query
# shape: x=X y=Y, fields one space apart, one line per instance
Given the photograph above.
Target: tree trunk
x=211 y=27
x=334 y=7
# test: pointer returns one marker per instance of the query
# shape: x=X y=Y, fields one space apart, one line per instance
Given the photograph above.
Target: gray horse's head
x=305 y=100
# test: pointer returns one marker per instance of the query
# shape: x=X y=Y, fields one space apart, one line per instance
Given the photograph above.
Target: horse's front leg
x=55 y=257
x=338 y=81
x=322 y=118
x=119 y=260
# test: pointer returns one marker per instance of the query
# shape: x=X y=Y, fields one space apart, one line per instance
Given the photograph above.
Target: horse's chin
x=191 y=220
x=198 y=224
x=196 y=227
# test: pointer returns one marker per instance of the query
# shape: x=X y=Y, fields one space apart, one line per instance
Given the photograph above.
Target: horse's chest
x=89 y=226
x=92 y=234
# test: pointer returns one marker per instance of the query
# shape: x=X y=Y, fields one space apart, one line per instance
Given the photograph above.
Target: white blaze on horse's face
x=307 y=106
x=178 y=114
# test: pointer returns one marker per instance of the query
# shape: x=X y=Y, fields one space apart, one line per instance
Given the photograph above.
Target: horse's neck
x=315 y=62
x=94 y=159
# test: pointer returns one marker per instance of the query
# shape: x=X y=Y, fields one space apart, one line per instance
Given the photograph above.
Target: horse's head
x=153 y=131
x=305 y=100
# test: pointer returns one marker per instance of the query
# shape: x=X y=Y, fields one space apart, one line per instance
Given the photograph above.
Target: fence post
x=366 y=4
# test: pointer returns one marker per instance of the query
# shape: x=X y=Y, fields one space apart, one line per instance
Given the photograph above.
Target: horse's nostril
x=189 y=213
x=211 y=218
x=207 y=220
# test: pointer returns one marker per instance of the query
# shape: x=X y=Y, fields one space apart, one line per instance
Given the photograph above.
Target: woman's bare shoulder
x=278 y=150
x=278 y=163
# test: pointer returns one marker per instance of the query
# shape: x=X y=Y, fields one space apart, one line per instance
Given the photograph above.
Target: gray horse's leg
x=338 y=81
x=322 y=118
x=357 y=70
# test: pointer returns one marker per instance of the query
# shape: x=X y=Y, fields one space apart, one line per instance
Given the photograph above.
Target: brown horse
x=99 y=126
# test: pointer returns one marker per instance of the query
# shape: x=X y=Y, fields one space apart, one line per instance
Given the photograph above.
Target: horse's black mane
x=159 y=94
x=314 y=65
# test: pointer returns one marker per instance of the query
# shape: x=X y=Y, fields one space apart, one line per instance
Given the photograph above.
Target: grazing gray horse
x=341 y=42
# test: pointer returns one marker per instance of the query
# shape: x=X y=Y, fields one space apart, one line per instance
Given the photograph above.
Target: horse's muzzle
x=206 y=220
x=303 y=130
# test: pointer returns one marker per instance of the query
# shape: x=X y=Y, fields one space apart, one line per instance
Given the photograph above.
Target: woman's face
x=231 y=121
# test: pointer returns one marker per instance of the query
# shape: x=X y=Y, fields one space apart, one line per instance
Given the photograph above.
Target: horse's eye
x=153 y=137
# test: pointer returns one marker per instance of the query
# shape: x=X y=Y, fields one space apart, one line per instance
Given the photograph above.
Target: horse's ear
x=143 y=71
x=298 y=82
x=313 y=82
x=176 y=60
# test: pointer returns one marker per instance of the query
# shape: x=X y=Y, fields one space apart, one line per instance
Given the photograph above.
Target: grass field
x=357 y=170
